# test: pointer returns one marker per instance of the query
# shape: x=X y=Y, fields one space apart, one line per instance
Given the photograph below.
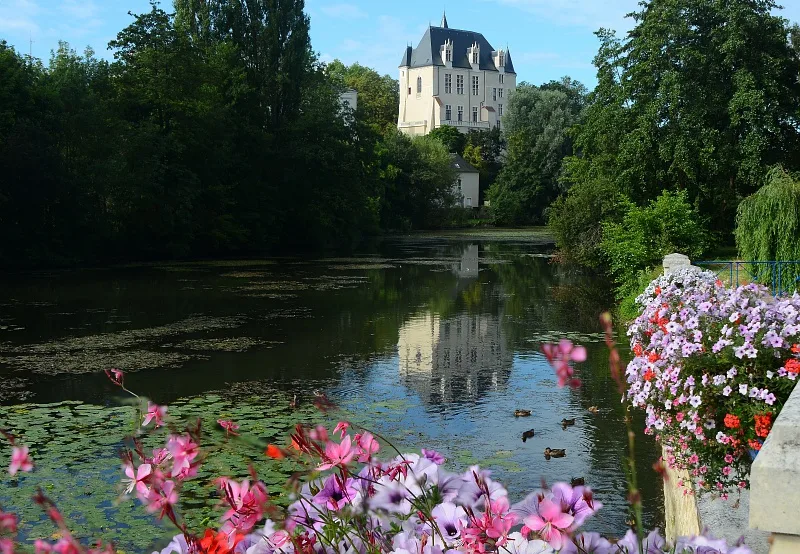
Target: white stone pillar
x=675 y=261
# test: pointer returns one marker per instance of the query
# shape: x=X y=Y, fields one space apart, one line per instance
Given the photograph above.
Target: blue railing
x=781 y=277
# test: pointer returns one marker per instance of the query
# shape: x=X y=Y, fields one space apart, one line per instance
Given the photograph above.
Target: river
x=432 y=340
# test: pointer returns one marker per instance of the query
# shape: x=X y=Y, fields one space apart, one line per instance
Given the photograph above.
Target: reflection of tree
x=455 y=359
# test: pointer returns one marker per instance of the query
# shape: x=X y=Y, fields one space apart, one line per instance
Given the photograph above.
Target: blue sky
x=547 y=38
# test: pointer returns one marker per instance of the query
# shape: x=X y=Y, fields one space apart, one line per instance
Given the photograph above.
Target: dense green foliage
x=213 y=132
x=453 y=139
x=701 y=96
x=768 y=222
x=536 y=124
x=647 y=234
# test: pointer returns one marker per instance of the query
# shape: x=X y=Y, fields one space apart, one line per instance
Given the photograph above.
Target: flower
x=433 y=456
x=8 y=522
x=367 y=446
x=177 y=545
x=763 y=424
x=139 y=479
x=20 y=460
x=229 y=426
x=274 y=452
x=450 y=519
x=517 y=544
x=247 y=505
x=154 y=413
x=116 y=376
x=338 y=454
x=184 y=450
x=792 y=366
x=550 y=523
x=560 y=355
x=336 y=493
x=731 y=421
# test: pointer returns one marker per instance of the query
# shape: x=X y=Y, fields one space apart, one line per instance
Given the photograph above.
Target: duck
x=567 y=422
x=527 y=435
x=594 y=409
x=522 y=413
x=554 y=452
x=577 y=481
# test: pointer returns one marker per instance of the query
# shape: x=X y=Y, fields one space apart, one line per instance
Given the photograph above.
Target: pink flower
x=727 y=470
x=247 y=505
x=6 y=546
x=550 y=523
x=42 y=547
x=229 y=426
x=116 y=376
x=138 y=481
x=367 y=446
x=154 y=412
x=8 y=522
x=20 y=460
x=728 y=459
x=694 y=459
x=319 y=433
x=161 y=499
x=338 y=454
x=559 y=356
x=341 y=428
x=184 y=450
x=500 y=520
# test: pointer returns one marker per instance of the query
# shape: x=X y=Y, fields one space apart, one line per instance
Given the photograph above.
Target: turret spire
x=444 y=20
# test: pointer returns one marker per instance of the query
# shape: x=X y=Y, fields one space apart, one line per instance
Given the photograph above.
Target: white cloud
x=343 y=11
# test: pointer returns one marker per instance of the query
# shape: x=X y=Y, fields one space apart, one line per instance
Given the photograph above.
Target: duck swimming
x=527 y=435
x=577 y=481
x=554 y=452
x=594 y=409
x=567 y=422
x=522 y=413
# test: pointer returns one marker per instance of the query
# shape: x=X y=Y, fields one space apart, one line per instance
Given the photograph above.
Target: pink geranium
x=367 y=446
x=550 y=523
x=154 y=413
x=161 y=499
x=338 y=454
x=560 y=355
x=184 y=450
x=247 y=505
x=20 y=460
x=229 y=426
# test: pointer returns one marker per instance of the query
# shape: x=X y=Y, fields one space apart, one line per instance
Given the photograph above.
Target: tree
x=701 y=96
x=453 y=139
x=536 y=123
x=768 y=221
x=378 y=96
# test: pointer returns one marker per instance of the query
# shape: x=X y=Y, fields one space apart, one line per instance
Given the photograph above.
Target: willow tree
x=768 y=222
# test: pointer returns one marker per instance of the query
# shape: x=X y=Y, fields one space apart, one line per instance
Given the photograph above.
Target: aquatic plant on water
x=348 y=500
x=712 y=367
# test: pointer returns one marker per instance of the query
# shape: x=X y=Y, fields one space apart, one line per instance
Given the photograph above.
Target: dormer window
x=474 y=54
x=447 y=52
x=502 y=61
x=448 y=55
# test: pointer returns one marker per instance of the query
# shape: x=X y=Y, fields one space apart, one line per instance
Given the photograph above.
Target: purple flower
x=652 y=544
x=450 y=519
x=335 y=494
x=177 y=545
x=589 y=543
x=573 y=502
x=433 y=456
x=391 y=496
x=727 y=391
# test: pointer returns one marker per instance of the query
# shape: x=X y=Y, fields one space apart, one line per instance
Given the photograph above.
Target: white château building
x=456 y=78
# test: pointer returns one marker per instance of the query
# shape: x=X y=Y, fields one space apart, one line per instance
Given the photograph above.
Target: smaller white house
x=467 y=185
x=349 y=99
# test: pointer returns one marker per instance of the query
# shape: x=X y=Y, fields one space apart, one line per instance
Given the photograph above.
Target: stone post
x=675 y=261
x=775 y=481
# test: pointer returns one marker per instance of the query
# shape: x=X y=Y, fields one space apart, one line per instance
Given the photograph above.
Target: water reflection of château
x=457 y=358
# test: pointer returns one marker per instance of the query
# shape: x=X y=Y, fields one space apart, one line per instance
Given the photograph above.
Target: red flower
x=637 y=349
x=274 y=452
x=658 y=290
x=754 y=444
x=652 y=357
x=732 y=421
x=793 y=365
x=215 y=544
x=648 y=375
x=796 y=348
x=763 y=424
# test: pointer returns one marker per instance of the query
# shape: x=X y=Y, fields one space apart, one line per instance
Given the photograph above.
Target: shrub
x=768 y=222
x=576 y=219
x=712 y=367
x=646 y=234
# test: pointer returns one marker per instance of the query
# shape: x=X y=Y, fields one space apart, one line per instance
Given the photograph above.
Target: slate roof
x=461 y=165
x=428 y=52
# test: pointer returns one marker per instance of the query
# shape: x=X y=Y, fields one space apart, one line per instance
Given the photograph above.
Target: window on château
x=419 y=85
x=500 y=110
x=500 y=92
x=448 y=112
x=474 y=57
x=475 y=85
x=494 y=94
x=448 y=55
x=502 y=78
x=461 y=113
x=474 y=115
x=460 y=84
x=502 y=59
x=448 y=83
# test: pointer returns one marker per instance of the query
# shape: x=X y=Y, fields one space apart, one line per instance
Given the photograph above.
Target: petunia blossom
x=550 y=523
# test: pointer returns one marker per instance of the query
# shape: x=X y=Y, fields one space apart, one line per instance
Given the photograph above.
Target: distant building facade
x=349 y=99
x=453 y=77
x=467 y=186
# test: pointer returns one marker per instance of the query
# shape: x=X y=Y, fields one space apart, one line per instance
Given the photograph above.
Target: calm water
x=437 y=340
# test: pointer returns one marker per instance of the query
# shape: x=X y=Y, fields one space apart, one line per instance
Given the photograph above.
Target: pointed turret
x=444 y=21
